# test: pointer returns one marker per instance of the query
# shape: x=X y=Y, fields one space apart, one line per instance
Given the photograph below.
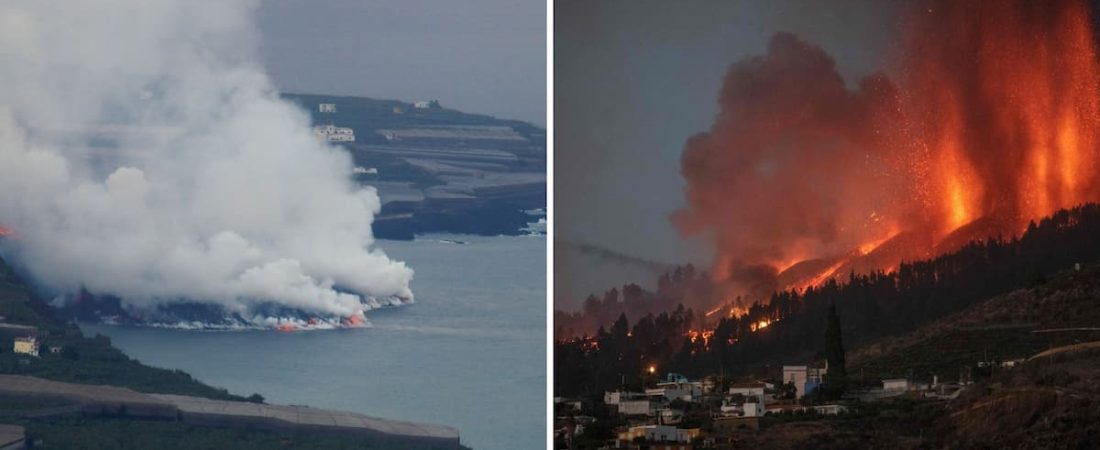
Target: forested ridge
x=871 y=306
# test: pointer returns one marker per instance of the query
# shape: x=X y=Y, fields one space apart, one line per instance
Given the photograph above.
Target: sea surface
x=470 y=353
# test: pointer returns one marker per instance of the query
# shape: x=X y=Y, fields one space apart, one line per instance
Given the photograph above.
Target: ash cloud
x=792 y=165
x=211 y=189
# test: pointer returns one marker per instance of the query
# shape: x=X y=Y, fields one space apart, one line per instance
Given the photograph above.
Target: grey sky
x=633 y=80
x=482 y=56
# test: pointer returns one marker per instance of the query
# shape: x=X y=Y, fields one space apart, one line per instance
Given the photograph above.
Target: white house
x=748 y=389
x=639 y=407
x=753 y=409
x=685 y=390
x=895 y=384
x=26 y=346
x=805 y=379
x=333 y=133
x=795 y=375
x=731 y=410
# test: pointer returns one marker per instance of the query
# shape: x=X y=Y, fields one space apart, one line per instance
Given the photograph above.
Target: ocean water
x=470 y=353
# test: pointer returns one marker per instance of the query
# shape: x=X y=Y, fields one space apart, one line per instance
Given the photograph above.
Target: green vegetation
x=1000 y=329
x=81 y=359
x=16 y=305
x=96 y=361
x=874 y=306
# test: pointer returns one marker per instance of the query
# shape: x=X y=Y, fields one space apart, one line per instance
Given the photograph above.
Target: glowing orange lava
x=1012 y=107
x=822 y=276
x=760 y=325
x=353 y=321
x=869 y=247
x=700 y=336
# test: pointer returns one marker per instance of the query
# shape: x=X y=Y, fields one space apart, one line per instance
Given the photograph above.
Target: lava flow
x=988 y=119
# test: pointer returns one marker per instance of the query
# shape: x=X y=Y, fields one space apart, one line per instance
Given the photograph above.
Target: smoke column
x=212 y=190
x=989 y=118
x=791 y=168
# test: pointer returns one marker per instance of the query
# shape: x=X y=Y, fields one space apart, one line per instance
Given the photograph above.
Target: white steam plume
x=213 y=190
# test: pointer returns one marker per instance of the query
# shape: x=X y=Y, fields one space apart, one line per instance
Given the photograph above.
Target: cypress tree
x=836 y=380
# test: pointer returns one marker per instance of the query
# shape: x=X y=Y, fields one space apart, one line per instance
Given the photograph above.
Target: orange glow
x=700 y=336
x=760 y=325
x=1024 y=111
x=737 y=311
x=990 y=119
x=788 y=263
x=353 y=321
x=285 y=328
x=822 y=276
x=869 y=247
x=961 y=191
x=5 y=231
x=1070 y=157
x=652 y=369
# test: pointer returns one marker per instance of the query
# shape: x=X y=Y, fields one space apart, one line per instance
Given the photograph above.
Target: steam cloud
x=992 y=121
x=213 y=190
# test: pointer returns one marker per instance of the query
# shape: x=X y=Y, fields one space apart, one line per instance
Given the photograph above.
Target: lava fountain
x=987 y=119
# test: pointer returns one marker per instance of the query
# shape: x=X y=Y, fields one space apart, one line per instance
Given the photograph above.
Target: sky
x=632 y=81
x=479 y=56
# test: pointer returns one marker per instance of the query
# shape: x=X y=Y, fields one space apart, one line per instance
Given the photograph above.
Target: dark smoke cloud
x=792 y=164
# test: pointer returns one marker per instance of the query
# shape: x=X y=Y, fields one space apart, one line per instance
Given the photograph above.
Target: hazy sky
x=483 y=56
x=634 y=79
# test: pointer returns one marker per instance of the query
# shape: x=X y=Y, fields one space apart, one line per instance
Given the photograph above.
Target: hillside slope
x=80 y=359
x=1049 y=400
x=1011 y=326
x=438 y=169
